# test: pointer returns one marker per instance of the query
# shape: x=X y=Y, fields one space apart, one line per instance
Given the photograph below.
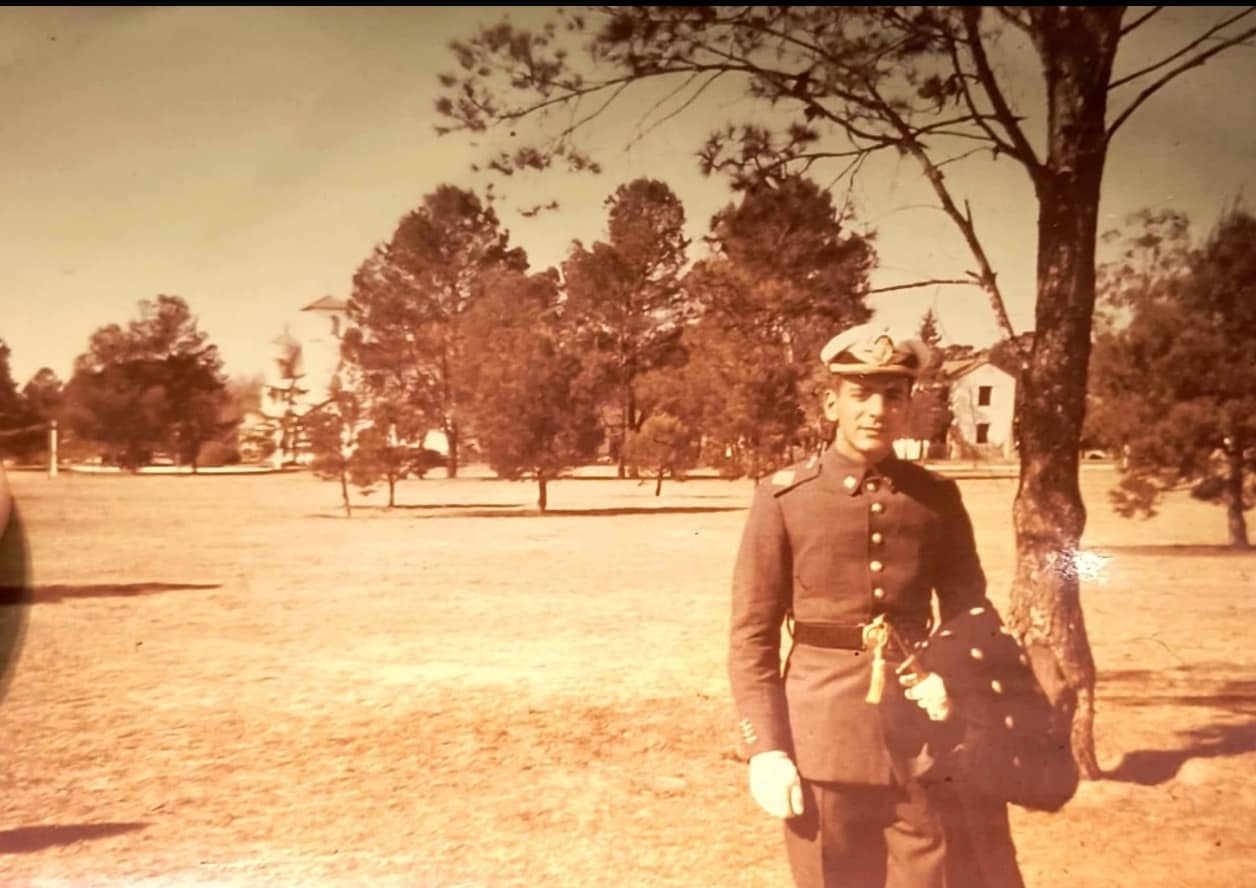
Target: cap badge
x=882 y=351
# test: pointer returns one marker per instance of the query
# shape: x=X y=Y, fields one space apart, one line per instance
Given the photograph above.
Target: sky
x=248 y=160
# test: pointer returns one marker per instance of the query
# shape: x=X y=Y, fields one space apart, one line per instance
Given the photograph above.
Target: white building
x=304 y=360
x=308 y=351
x=982 y=402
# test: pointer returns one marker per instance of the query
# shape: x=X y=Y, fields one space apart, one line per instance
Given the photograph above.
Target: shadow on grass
x=960 y=475
x=1198 y=684
x=1174 y=549
x=29 y=839
x=534 y=512
x=1151 y=767
x=59 y=593
x=633 y=510
x=431 y=506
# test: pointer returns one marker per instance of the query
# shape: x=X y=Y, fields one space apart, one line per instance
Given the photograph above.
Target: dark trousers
x=866 y=837
x=980 y=852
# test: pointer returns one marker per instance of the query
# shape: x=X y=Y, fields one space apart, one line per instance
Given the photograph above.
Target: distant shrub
x=216 y=453
x=425 y=460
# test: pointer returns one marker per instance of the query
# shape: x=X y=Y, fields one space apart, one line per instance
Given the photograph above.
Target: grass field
x=225 y=681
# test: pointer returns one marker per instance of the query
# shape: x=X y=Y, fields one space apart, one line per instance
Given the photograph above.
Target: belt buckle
x=876 y=635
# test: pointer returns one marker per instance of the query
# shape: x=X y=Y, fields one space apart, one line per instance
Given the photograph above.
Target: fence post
x=52 y=449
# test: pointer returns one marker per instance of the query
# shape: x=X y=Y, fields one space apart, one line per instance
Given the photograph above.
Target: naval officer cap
x=872 y=350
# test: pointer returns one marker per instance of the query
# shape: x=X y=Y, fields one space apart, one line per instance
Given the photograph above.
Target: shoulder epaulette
x=789 y=479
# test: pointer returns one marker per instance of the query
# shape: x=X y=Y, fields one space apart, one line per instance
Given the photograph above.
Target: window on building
x=983 y=433
x=983 y=395
x=335 y=325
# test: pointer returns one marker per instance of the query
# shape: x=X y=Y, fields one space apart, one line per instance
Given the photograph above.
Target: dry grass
x=225 y=682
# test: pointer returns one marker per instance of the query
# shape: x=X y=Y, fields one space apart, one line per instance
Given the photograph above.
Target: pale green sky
x=248 y=159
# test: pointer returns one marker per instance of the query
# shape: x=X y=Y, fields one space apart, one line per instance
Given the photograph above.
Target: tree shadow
x=1175 y=549
x=1152 y=767
x=639 y=510
x=1192 y=685
x=29 y=839
x=56 y=594
x=1188 y=686
x=962 y=475
x=432 y=506
x=533 y=512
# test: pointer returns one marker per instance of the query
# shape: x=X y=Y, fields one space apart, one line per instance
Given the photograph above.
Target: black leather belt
x=829 y=635
x=845 y=637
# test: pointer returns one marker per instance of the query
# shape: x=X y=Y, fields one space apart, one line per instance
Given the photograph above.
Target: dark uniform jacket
x=829 y=541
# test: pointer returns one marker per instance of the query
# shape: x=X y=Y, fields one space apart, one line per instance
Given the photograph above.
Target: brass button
x=871 y=487
x=877 y=508
x=877 y=566
x=878 y=592
x=849 y=482
x=877 y=538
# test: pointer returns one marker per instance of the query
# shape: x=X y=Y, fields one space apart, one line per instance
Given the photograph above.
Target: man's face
x=870 y=412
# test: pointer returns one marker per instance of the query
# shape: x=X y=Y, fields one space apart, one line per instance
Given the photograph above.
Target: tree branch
x=1185 y=66
x=1181 y=52
x=999 y=144
x=939 y=128
x=849 y=172
x=672 y=115
x=967 y=282
x=575 y=125
x=667 y=98
x=986 y=276
x=569 y=94
x=1012 y=18
x=1141 y=19
x=1024 y=151
x=957 y=158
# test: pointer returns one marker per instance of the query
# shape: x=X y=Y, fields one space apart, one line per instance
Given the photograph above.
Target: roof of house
x=1005 y=360
x=953 y=370
x=327 y=303
x=956 y=369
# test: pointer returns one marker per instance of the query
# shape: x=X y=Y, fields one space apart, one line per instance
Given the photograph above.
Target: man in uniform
x=848 y=548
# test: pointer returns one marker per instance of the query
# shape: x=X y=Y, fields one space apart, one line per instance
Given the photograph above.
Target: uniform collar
x=848 y=476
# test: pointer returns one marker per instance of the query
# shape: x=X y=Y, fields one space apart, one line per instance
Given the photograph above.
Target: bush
x=216 y=453
x=425 y=460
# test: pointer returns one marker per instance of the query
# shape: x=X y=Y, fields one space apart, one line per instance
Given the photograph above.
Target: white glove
x=775 y=785
x=929 y=693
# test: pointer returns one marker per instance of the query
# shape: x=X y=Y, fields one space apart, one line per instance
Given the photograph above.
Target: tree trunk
x=1049 y=514
x=1234 y=493
x=392 y=491
x=634 y=426
x=451 y=442
x=542 y=500
x=658 y=487
x=344 y=492
x=624 y=408
x=449 y=420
